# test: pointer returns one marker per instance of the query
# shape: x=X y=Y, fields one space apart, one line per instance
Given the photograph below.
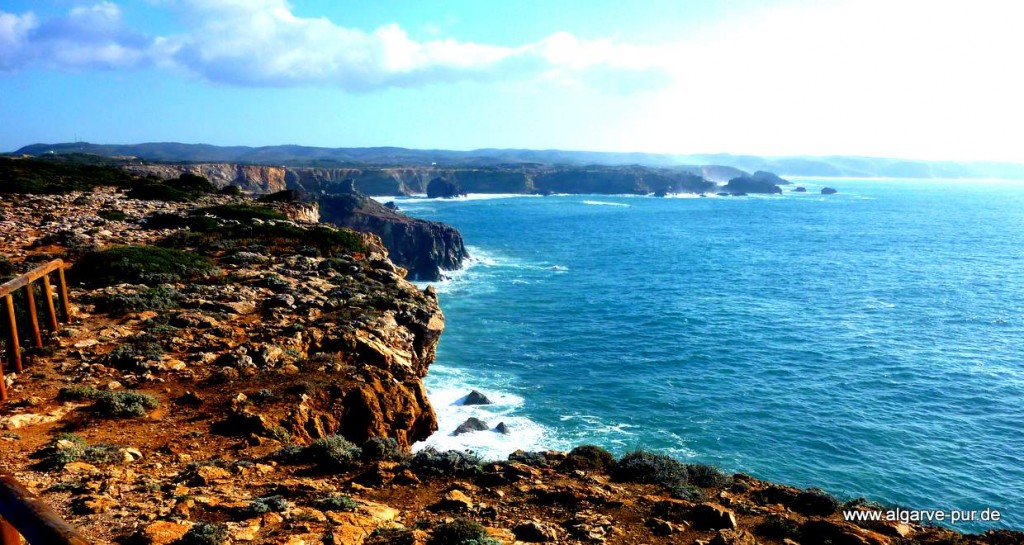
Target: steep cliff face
x=251 y=178
x=424 y=248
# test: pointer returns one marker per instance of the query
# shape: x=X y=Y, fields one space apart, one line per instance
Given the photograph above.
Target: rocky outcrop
x=749 y=184
x=440 y=188
x=828 y=191
x=424 y=248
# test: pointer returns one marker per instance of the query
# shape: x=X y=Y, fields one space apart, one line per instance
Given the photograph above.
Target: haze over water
x=868 y=343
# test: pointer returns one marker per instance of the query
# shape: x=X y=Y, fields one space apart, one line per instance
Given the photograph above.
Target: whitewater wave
x=446 y=388
x=606 y=203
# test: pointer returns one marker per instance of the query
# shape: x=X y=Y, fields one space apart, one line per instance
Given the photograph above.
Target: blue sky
x=899 y=78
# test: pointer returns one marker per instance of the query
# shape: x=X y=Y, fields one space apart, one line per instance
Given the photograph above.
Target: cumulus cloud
x=87 y=37
x=263 y=43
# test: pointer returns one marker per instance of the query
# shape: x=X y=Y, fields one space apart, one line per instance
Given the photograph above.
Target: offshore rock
x=441 y=188
x=749 y=184
x=828 y=191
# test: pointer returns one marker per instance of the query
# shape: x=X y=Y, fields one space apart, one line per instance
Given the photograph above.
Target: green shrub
x=204 y=533
x=241 y=212
x=140 y=265
x=57 y=175
x=815 y=502
x=111 y=214
x=461 y=531
x=451 y=463
x=165 y=220
x=268 y=504
x=707 y=476
x=776 y=527
x=134 y=351
x=378 y=449
x=643 y=466
x=337 y=503
x=159 y=298
x=687 y=492
x=77 y=393
x=278 y=433
x=233 y=190
x=191 y=183
x=535 y=459
x=588 y=458
x=7 y=269
x=285 y=195
x=333 y=452
x=68 y=447
x=391 y=536
x=157 y=191
x=124 y=404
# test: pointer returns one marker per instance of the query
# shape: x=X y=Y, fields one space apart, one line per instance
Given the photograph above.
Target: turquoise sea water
x=870 y=343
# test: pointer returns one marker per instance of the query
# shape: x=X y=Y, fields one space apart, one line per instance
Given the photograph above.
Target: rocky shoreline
x=267 y=388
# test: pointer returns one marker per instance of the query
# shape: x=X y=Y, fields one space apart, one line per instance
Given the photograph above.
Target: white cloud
x=263 y=43
x=87 y=37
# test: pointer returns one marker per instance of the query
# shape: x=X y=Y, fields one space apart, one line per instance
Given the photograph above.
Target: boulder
x=502 y=428
x=476 y=398
x=470 y=425
x=441 y=188
x=535 y=532
x=710 y=516
x=828 y=191
x=800 y=189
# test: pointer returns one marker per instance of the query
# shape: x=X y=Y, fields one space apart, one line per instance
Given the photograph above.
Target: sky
x=935 y=79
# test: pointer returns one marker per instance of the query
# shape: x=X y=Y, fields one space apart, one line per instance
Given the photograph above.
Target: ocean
x=870 y=343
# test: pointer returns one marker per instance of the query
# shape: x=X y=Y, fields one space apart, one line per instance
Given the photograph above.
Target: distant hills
x=308 y=156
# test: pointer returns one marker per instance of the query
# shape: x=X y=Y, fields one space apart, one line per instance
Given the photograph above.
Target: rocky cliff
x=250 y=178
x=424 y=248
x=415 y=180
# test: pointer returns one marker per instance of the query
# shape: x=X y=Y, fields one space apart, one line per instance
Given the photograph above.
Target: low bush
x=241 y=212
x=451 y=463
x=57 y=175
x=156 y=191
x=461 y=531
x=191 y=183
x=232 y=190
x=140 y=265
x=286 y=195
x=530 y=458
x=77 y=393
x=588 y=458
x=159 y=298
x=776 y=527
x=643 y=466
x=337 y=503
x=68 y=447
x=204 y=533
x=124 y=404
x=380 y=449
x=333 y=453
x=134 y=351
x=165 y=220
x=687 y=492
x=815 y=502
x=268 y=504
x=111 y=214
x=707 y=476
x=391 y=536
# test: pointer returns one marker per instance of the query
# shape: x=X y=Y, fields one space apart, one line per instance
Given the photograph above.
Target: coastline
x=190 y=481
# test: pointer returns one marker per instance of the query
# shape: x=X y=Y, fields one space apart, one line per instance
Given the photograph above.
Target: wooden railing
x=23 y=514
x=7 y=291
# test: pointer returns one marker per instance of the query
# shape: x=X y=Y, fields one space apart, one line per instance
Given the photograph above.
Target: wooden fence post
x=33 y=316
x=48 y=289
x=13 y=323
x=64 y=295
